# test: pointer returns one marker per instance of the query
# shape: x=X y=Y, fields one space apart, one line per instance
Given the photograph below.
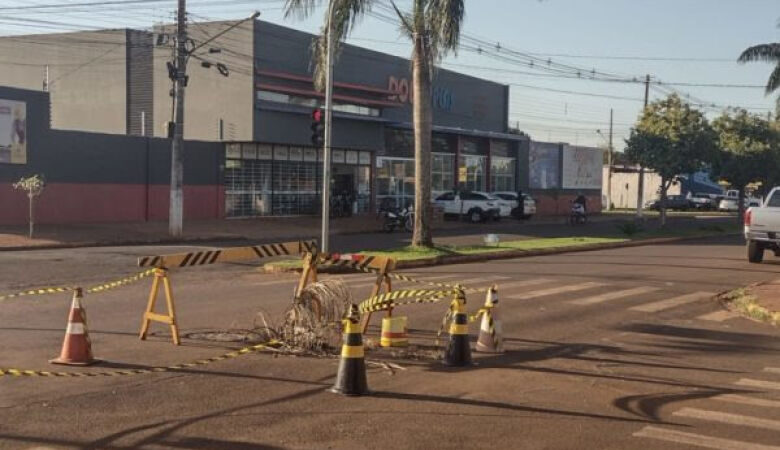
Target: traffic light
x=317 y=128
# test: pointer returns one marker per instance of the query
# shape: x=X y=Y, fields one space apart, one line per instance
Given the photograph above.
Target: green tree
x=434 y=28
x=748 y=151
x=671 y=138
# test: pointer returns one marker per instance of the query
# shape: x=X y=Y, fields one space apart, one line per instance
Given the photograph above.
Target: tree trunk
x=422 y=118
x=664 y=188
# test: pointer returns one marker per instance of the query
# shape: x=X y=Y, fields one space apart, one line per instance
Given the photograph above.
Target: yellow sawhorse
x=160 y=275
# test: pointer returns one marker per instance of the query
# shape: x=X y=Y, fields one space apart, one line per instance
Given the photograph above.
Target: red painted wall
x=560 y=204
x=84 y=203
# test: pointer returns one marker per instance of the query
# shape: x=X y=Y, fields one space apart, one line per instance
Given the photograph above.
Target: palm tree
x=769 y=53
x=434 y=27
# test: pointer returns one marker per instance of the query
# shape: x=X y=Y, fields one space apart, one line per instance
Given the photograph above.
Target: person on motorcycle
x=581 y=200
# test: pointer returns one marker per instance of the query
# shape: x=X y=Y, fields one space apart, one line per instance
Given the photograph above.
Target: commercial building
x=251 y=90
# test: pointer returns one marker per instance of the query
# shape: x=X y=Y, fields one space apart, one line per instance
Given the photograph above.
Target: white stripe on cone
x=75 y=328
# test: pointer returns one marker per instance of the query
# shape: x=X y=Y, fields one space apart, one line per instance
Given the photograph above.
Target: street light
x=609 y=168
x=328 y=132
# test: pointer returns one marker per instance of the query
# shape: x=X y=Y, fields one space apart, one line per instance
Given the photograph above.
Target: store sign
x=310 y=155
x=352 y=157
x=13 y=132
x=582 y=167
x=443 y=98
x=543 y=165
x=365 y=158
x=463 y=174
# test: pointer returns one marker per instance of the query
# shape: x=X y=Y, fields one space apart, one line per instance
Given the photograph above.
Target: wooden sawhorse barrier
x=163 y=263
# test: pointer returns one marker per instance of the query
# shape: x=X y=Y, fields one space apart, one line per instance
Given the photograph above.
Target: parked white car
x=475 y=206
x=728 y=204
x=529 y=204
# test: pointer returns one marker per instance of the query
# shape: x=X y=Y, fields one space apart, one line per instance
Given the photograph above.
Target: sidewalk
x=268 y=229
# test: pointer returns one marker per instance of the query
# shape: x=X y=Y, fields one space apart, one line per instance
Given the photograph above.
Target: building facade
x=258 y=106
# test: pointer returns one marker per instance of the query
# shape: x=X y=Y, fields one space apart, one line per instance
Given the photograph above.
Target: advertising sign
x=582 y=167
x=543 y=163
x=13 y=132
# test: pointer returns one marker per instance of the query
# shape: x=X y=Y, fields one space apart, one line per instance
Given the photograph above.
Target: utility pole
x=175 y=212
x=640 y=195
x=609 y=164
x=328 y=134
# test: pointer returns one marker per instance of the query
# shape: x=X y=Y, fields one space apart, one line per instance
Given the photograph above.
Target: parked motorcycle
x=394 y=218
x=578 y=216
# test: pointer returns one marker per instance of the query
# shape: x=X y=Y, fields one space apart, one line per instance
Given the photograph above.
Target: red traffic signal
x=317 y=128
x=317 y=116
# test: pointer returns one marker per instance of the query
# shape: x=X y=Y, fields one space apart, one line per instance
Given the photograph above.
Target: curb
x=194 y=240
x=507 y=254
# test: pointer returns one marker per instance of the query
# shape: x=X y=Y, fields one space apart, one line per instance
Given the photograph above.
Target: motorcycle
x=578 y=215
x=403 y=218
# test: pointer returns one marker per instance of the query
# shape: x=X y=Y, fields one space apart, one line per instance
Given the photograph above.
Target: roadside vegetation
x=744 y=302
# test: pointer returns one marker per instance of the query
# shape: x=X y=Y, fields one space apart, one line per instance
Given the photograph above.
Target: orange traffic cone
x=76 y=348
x=490 y=334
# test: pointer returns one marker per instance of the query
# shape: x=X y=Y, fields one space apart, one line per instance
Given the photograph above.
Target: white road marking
x=732 y=419
x=614 y=295
x=467 y=282
x=699 y=440
x=672 y=302
x=758 y=383
x=503 y=287
x=718 y=316
x=744 y=400
x=556 y=290
x=772 y=369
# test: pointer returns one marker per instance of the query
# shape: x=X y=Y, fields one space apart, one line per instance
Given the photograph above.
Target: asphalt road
x=615 y=349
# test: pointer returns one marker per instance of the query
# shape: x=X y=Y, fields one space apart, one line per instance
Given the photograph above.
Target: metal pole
x=640 y=195
x=143 y=123
x=328 y=134
x=175 y=213
x=609 y=164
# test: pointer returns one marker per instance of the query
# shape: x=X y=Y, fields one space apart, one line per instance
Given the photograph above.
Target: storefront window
x=475 y=172
x=502 y=174
x=395 y=182
x=442 y=173
x=263 y=180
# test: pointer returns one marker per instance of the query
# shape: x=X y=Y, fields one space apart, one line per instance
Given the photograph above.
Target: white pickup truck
x=762 y=227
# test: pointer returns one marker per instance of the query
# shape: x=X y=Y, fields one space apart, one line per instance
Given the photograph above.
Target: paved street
x=607 y=349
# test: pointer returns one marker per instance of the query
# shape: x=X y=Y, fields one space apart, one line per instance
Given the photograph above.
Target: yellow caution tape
x=482 y=311
x=119 y=283
x=37 y=291
x=94 y=289
x=388 y=300
x=128 y=372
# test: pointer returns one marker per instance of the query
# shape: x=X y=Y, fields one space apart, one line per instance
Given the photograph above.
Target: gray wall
x=477 y=104
x=210 y=96
x=87 y=72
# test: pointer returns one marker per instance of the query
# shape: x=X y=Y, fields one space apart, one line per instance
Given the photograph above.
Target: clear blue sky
x=704 y=37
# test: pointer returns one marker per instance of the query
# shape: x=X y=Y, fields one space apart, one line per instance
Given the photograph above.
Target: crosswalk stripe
x=718 y=316
x=502 y=287
x=758 y=383
x=672 y=302
x=467 y=282
x=681 y=437
x=732 y=419
x=614 y=295
x=556 y=290
x=373 y=281
x=734 y=398
x=772 y=369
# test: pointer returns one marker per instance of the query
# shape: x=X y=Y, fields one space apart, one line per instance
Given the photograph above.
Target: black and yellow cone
x=351 y=378
x=458 y=352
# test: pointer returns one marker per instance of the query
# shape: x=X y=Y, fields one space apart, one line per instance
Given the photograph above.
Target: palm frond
x=774 y=80
x=407 y=27
x=444 y=19
x=300 y=8
x=762 y=52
